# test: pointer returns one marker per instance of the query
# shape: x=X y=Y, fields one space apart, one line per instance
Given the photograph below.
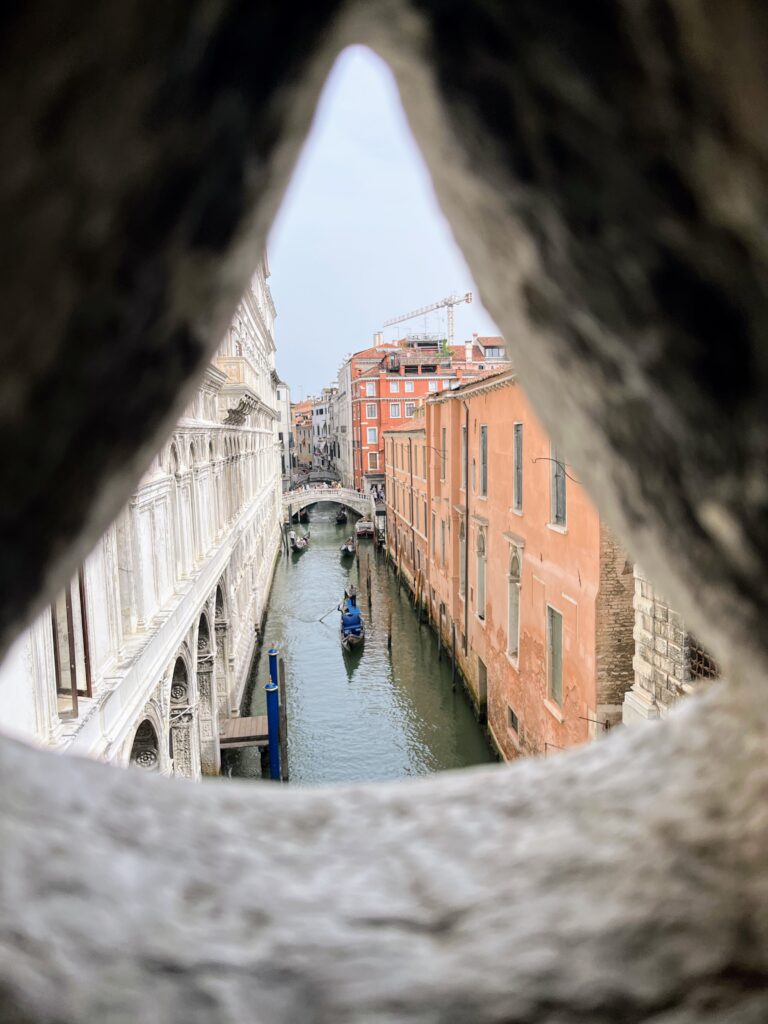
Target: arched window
x=513 y=612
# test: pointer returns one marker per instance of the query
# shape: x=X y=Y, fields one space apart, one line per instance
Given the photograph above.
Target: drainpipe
x=466 y=525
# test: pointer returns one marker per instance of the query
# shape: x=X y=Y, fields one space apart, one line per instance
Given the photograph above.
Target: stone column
x=210 y=755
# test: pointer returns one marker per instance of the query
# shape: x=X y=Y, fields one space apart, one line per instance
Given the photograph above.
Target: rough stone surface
x=604 y=170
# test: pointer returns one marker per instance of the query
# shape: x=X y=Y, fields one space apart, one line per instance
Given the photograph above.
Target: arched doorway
x=145 y=752
x=183 y=740
x=210 y=759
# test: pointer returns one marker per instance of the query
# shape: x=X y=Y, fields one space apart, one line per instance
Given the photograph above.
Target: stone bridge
x=294 y=501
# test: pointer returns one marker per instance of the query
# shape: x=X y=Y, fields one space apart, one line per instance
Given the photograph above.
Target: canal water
x=371 y=714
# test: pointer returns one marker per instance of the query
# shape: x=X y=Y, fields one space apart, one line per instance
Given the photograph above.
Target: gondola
x=352 y=633
x=298 y=543
x=302 y=516
x=348 y=548
x=341 y=516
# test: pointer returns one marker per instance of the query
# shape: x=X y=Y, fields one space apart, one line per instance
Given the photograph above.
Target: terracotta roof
x=410 y=426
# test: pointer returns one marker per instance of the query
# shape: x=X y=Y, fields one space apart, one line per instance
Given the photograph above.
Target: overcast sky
x=359 y=238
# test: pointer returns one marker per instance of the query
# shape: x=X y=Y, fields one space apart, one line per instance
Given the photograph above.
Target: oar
x=334 y=609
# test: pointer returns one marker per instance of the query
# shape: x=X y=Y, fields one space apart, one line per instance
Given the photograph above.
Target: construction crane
x=448 y=303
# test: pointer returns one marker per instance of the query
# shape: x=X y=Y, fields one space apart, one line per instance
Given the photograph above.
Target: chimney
x=468 y=351
x=378 y=337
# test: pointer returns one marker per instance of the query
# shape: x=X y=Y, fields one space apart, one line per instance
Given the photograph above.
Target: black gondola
x=341 y=516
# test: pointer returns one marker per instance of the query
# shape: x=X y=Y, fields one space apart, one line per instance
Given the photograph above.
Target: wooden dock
x=243 y=732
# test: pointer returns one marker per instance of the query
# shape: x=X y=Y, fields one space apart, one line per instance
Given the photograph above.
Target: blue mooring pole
x=273 y=717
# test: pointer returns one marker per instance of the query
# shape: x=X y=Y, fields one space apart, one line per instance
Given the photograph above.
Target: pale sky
x=359 y=238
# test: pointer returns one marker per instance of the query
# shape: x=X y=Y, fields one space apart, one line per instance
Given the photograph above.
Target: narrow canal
x=373 y=713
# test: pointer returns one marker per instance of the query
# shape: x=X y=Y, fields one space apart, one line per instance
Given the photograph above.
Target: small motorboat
x=341 y=516
x=352 y=628
x=364 y=528
x=348 y=547
x=297 y=542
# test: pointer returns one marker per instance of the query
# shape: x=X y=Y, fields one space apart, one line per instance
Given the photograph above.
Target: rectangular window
x=425 y=516
x=371 y=410
x=517 y=468
x=462 y=558
x=370 y=389
x=463 y=458
x=557 y=488
x=555 y=654
x=434 y=531
x=512 y=720
x=442 y=543
x=409 y=385
x=432 y=385
x=483 y=462
x=373 y=460
x=481 y=575
x=71 y=648
x=410 y=506
x=394 y=410
x=394 y=387
x=373 y=435
x=443 y=452
x=410 y=408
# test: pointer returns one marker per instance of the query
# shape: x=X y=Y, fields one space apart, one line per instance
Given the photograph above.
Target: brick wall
x=615 y=616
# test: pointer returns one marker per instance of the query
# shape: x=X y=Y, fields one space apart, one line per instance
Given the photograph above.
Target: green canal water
x=374 y=713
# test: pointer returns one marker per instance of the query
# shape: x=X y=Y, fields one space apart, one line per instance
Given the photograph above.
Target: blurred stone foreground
x=604 y=172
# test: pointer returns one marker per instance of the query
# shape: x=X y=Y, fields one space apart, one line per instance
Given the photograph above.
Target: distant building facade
x=285 y=432
x=391 y=380
x=303 y=439
x=514 y=566
x=149 y=646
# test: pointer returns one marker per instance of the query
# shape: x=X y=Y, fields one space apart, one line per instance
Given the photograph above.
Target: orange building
x=407 y=500
x=522 y=578
x=391 y=380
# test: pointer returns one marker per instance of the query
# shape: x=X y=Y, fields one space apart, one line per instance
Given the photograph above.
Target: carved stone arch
x=184 y=743
x=145 y=748
x=174 y=462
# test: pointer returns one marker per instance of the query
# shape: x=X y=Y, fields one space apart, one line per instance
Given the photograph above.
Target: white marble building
x=285 y=431
x=342 y=424
x=151 y=644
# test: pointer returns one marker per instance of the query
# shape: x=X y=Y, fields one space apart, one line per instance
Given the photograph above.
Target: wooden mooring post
x=283 y=721
x=389 y=630
x=368 y=578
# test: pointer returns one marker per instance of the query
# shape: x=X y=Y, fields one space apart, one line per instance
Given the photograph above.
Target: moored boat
x=364 y=528
x=341 y=516
x=348 y=547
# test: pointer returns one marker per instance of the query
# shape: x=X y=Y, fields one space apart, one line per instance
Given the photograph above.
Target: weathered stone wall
x=662 y=657
x=615 y=617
